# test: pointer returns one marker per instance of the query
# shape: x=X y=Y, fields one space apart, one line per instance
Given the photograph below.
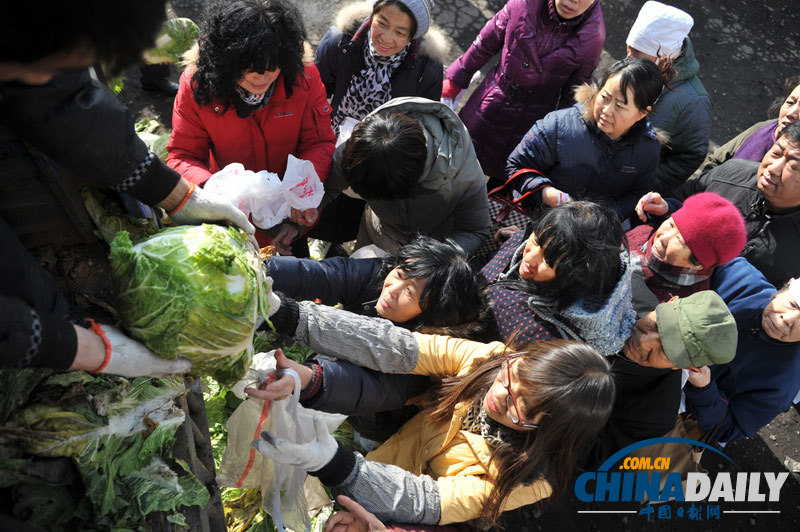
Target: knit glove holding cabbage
x=196 y=292
x=129 y=358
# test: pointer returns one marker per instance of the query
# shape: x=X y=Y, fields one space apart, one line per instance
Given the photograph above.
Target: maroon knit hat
x=712 y=227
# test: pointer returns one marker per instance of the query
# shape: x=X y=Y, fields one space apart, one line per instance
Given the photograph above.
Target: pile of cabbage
x=92 y=452
x=193 y=291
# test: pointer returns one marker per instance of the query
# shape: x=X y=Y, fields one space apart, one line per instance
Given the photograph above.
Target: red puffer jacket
x=206 y=139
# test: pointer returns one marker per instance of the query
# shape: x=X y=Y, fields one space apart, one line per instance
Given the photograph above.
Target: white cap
x=794 y=288
x=659 y=30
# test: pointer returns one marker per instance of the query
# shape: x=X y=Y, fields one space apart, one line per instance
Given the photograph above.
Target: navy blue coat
x=762 y=380
x=584 y=162
x=354 y=283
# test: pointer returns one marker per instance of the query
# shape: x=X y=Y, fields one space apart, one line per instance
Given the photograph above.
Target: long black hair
x=240 y=36
x=582 y=241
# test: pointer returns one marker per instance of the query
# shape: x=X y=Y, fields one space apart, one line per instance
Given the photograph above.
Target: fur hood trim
x=433 y=44
x=584 y=95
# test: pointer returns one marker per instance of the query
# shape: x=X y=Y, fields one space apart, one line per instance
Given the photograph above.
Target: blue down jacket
x=584 y=162
x=762 y=380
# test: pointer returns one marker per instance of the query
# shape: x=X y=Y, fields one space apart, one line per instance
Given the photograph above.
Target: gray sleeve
x=374 y=343
x=392 y=493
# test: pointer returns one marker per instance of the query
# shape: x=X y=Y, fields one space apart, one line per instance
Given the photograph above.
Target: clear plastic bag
x=256 y=194
x=289 y=494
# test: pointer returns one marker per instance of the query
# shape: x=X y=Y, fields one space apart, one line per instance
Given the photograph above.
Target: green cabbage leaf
x=195 y=292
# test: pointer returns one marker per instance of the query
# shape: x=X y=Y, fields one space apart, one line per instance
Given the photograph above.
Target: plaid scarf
x=370 y=88
x=676 y=275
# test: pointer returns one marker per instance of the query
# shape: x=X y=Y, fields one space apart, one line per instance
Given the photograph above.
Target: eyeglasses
x=511 y=401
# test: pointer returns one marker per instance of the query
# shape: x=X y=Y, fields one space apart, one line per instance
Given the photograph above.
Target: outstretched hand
x=355 y=519
x=309 y=456
x=651 y=203
x=283 y=387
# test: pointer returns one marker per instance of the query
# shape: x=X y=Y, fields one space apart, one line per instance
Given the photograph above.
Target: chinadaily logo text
x=661 y=493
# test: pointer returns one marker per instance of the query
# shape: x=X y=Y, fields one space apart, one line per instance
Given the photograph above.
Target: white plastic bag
x=256 y=194
x=263 y=195
x=301 y=184
x=345 y=130
x=289 y=494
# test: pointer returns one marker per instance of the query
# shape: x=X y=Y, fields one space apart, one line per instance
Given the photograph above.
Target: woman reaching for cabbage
x=428 y=286
x=510 y=423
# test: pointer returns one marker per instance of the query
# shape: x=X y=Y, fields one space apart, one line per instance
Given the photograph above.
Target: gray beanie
x=422 y=11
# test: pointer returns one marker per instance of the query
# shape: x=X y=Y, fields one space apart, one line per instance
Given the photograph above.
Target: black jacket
x=773 y=240
x=80 y=124
x=355 y=283
x=340 y=56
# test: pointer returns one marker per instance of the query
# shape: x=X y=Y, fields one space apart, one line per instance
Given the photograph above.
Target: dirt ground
x=746 y=49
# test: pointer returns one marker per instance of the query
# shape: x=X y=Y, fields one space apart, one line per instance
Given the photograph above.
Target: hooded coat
x=340 y=56
x=453 y=201
x=542 y=59
x=684 y=112
x=762 y=380
x=579 y=159
x=520 y=316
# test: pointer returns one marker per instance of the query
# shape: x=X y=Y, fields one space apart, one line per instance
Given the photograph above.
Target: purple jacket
x=541 y=60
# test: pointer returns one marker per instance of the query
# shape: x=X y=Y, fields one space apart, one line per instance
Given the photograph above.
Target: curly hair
x=242 y=36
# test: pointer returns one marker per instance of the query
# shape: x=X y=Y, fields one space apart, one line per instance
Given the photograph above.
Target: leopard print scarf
x=477 y=421
x=372 y=87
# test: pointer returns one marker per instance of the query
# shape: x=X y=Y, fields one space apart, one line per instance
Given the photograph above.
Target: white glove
x=311 y=456
x=274 y=299
x=202 y=207
x=130 y=358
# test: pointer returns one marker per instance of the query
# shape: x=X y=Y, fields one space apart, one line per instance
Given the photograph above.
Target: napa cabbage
x=195 y=292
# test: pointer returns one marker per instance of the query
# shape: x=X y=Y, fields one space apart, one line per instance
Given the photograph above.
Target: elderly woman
x=250 y=98
x=546 y=48
x=602 y=148
x=754 y=142
x=683 y=111
x=679 y=255
x=377 y=52
x=738 y=398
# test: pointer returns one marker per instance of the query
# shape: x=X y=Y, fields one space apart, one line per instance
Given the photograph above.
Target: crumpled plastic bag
x=263 y=195
x=256 y=194
x=301 y=184
x=289 y=494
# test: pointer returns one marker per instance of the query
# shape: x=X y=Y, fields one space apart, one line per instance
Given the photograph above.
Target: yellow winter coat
x=456 y=458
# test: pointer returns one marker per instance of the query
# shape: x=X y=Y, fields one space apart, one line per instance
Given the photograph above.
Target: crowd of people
x=482 y=383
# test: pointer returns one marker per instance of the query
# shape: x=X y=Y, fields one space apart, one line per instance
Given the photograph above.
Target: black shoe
x=163 y=85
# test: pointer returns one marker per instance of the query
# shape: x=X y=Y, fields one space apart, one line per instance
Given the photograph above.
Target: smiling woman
x=249 y=97
x=377 y=51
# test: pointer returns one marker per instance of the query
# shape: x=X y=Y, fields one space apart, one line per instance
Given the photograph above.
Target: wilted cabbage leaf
x=195 y=292
x=120 y=434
